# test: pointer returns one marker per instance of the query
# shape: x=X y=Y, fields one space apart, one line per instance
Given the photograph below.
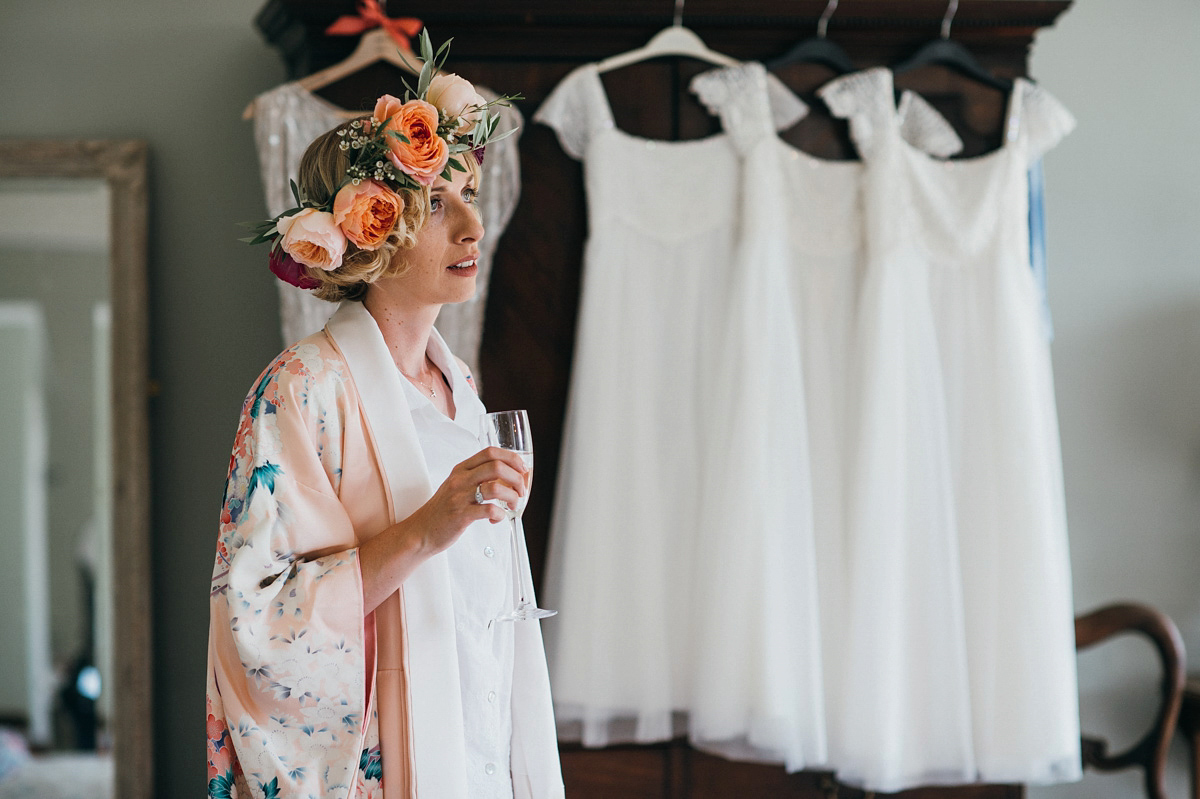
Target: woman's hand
x=389 y=558
x=498 y=473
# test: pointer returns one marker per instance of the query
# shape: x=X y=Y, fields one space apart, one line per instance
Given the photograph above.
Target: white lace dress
x=288 y=118
x=1005 y=449
x=623 y=559
x=828 y=263
x=758 y=692
x=960 y=658
x=770 y=664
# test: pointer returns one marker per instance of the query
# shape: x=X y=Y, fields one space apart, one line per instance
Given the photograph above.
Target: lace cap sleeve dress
x=625 y=559
x=949 y=296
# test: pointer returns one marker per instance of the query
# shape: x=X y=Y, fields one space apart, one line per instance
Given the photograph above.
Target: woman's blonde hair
x=322 y=171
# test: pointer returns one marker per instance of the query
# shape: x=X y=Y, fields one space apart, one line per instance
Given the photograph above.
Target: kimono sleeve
x=288 y=660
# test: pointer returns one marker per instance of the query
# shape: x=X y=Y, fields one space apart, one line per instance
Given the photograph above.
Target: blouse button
x=490 y=768
x=488 y=552
x=491 y=696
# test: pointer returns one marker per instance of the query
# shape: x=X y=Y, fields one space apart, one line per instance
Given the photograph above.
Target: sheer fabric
x=758 y=689
x=966 y=551
x=663 y=220
x=287 y=119
x=1005 y=452
x=829 y=268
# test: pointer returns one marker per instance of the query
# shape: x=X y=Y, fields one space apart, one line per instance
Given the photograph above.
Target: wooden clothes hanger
x=675 y=40
x=817 y=49
x=949 y=53
x=376 y=46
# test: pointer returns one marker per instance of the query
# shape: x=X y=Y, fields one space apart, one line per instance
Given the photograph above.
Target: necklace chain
x=427 y=386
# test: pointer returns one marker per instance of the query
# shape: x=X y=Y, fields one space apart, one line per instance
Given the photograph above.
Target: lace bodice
x=733 y=92
x=864 y=98
x=578 y=107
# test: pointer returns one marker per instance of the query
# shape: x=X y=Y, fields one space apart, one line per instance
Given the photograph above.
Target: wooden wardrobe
x=526 y=47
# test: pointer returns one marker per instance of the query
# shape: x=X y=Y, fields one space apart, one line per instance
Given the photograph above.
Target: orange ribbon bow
x=371 y=15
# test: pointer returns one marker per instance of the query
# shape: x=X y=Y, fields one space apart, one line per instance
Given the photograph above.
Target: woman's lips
x=467 y=268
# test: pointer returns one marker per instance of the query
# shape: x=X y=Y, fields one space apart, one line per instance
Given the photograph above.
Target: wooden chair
x=1150 y=752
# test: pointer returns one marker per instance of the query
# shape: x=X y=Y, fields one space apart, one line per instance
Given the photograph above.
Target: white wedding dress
x=289 y=117
x=682 y=552
x=829 y=264
x=771 y=661
x=625 y=545
x=758 y=691
x=960 y=656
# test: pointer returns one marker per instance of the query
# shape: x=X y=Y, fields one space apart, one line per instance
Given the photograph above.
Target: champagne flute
x=510 y=430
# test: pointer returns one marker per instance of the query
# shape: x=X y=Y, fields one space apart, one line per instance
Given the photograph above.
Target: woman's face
x=442 y=265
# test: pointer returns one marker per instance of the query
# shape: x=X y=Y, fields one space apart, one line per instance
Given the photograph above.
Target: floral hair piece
x=401 y=145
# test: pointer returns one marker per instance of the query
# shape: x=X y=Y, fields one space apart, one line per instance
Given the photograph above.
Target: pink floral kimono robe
x=307 y=695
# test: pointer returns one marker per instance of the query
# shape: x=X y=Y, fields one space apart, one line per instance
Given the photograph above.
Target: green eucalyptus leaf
x=454 y=163
x=424 y=79
x=502 y=136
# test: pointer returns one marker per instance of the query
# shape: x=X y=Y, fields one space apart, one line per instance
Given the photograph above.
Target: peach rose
x=312 y=238
x=424 y=155
x=366 y=213
x=456 y=97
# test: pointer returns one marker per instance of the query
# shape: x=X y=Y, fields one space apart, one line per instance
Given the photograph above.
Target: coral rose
x=424 y=155
x=366 y=213
x=456 y=97
x=312 y=238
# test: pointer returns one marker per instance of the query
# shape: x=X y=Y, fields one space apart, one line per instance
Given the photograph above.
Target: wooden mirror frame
x=122 y=165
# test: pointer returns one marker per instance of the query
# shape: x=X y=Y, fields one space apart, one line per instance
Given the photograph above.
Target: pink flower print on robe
x=289 y=709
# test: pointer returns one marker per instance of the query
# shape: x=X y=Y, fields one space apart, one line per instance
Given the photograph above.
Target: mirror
x=74 y=501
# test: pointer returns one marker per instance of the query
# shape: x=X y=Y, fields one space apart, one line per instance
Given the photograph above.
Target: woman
x=352 y=649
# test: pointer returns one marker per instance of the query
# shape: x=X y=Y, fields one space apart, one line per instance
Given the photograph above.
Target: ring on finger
x=479 y=494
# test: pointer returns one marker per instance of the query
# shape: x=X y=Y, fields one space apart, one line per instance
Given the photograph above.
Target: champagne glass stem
x=518 y=564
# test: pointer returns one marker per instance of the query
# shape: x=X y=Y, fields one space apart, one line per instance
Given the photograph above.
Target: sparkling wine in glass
x=510 y=430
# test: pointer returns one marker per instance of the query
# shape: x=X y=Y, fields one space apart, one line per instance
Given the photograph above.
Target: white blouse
x=481 y=582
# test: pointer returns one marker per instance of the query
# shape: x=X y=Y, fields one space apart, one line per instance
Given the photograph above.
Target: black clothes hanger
x=817 y=49
x=949 y=53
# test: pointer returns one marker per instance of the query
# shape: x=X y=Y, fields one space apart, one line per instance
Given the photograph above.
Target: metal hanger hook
x=678 y=23
x=951 y=10
x=823 y=23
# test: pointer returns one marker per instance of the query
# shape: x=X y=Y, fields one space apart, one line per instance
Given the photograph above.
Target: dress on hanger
x=828 y=262
x=288 y=118
x=1005 y=451
x=766 y=662
x=960 y=231
x=904 y=716
x=663 y=220
x=758 y=691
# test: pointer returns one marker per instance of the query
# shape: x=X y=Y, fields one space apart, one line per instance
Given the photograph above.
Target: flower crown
x=402 y=145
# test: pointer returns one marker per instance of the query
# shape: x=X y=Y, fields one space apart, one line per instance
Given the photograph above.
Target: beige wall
x=177 y=75
x=1123 y=197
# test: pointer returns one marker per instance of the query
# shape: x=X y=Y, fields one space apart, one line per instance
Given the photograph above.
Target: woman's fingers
x=494 y=490
x=488 y=454
x=501 y=471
